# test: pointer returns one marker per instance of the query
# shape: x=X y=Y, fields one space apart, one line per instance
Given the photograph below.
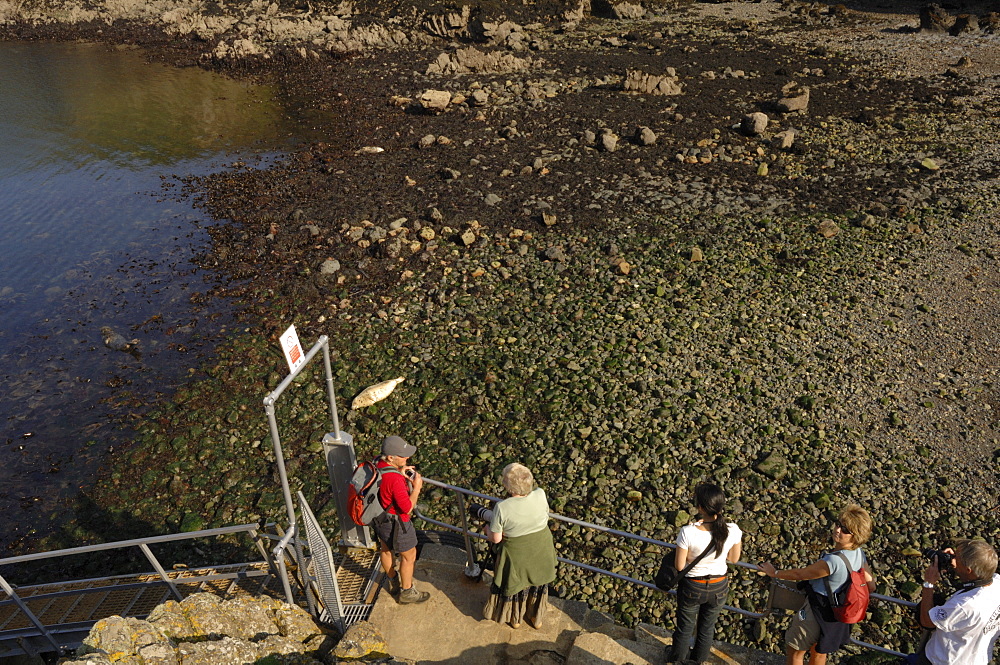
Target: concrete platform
x=449 y=627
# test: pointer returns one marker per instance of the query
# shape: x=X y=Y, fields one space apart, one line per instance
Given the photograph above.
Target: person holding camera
x=398 y=492
x=526 y=563
x=814 y=628
x=967 y=625
x=711 y=543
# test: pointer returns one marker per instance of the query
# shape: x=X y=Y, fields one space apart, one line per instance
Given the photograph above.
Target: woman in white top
x=702 y=591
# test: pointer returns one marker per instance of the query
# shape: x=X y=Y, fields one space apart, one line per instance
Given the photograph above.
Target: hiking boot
x=411 y=595
x=392 y=585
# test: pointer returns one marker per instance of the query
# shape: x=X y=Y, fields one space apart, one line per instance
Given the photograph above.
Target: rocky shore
x=633 y=246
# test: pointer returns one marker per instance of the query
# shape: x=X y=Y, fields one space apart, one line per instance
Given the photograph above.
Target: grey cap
x=395 y=445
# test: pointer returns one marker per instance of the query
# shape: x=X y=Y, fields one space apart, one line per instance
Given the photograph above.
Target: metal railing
x=472 y=568
x=253 y=530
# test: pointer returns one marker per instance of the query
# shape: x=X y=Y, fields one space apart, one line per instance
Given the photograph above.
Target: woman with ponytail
x=702 y=591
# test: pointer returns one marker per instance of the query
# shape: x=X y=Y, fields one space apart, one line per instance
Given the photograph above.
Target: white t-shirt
x=967 y=627
x=695 y=541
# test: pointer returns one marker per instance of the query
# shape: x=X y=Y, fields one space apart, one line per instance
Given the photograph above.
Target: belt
x=712 y=580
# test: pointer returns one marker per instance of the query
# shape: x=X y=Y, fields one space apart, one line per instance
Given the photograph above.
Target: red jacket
x=394 y=493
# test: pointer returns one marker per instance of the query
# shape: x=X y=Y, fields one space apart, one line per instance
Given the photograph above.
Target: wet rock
x=783 y=140
x=795 y=99
x=238 y=49
x=555 y=253
x=506 y=32
x=627 y=11
x=392 y=248
x=828 y=228
x=609 y=141
x=471 y=60
x=579 y=12
x=965 y=24
x=452 y=25
x=645 y=136
x=649 y=84
x=435 y=100
x=934 y=18
x=773 y=466
x=479 y=98
x=754 y=124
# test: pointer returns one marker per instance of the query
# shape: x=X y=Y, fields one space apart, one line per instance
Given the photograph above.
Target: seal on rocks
x=117 y=342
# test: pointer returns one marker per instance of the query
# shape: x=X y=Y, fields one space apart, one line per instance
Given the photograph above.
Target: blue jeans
x=697 y=604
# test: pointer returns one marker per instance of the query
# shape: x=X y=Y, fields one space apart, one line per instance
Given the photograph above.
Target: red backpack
x=850 y=602
x=362 y=493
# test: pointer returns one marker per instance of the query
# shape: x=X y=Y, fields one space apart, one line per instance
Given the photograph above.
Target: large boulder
x=934 y=18
x=205 y=629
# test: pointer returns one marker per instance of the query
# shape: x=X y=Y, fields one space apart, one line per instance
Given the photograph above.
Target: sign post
x=297 y=360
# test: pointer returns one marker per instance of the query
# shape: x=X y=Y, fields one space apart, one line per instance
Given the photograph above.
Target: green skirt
x=524 y=568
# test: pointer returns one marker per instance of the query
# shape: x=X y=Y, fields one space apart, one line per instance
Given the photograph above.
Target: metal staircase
x=57 y=616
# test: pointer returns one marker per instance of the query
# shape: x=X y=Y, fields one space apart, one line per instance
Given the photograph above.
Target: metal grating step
x=354 y=573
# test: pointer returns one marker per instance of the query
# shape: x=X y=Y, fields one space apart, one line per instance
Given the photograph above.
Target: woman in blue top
x=813 y=628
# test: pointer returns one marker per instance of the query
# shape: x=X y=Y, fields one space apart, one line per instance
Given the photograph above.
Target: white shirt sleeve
x=683 y=542
x=952 y=616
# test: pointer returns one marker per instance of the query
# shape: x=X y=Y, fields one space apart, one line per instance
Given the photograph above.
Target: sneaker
x=392 y=585
x=411 y=595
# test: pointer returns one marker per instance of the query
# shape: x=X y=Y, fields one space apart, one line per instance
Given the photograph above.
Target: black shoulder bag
x=668 y=576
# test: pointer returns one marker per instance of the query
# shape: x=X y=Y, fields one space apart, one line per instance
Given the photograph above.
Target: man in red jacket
x=398 y=493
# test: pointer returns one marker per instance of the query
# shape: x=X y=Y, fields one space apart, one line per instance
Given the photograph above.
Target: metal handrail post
x=471 y=567
x=287 y=492
x=331 y=393
x=39 y=626
x=264 y=552
x=159 y=569
x=279 y=555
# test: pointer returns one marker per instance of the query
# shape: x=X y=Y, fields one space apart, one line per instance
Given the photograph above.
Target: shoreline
x=808 y=325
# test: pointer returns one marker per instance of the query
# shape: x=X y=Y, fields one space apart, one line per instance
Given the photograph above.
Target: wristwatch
x=928 y=585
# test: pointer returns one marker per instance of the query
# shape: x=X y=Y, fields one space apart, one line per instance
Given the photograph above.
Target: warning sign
x=293 y=350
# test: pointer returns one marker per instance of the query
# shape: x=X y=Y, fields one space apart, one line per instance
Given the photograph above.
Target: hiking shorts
x=394 y=533
x=803 y=631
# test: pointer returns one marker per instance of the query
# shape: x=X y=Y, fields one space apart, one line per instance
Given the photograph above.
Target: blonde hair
x=856 y=520
x=517 y=479
x=979 y=556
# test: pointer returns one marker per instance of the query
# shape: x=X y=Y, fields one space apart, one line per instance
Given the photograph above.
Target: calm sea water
x=95 y=233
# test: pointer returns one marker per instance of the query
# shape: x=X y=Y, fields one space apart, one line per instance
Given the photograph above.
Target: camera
x=943 y=558
x=480 y=512
x=410 y=473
